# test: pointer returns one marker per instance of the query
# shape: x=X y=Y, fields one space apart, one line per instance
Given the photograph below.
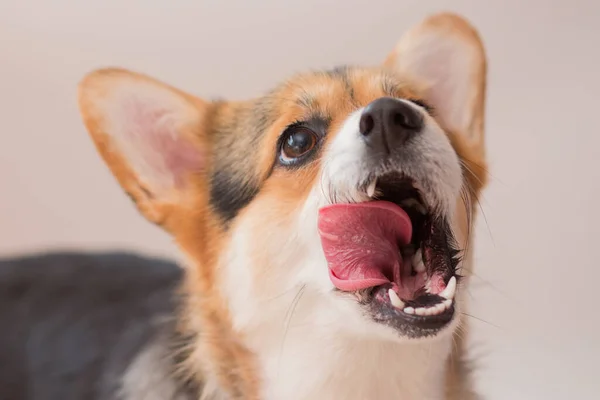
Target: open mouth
x=395 y=254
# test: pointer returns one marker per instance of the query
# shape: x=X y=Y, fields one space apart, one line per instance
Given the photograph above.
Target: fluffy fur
x=264 y=319
x=97 y=326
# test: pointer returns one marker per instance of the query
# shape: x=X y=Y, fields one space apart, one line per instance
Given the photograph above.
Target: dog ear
x=445 y=53
x=151 y=136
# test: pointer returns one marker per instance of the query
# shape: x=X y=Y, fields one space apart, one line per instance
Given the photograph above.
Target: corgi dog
x=325 y=227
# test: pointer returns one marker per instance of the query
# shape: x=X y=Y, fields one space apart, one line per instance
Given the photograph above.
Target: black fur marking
x=233 y=183
x=229 y=194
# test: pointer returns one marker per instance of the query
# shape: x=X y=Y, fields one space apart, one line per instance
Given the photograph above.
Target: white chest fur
x=312 y=355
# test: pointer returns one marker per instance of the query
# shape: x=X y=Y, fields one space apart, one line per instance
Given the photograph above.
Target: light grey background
x=537 y=246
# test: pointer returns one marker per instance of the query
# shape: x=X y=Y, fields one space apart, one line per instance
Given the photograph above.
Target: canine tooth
x=409 y=310
x=439 y=308
x=418 y=264
x=371 y=188
x=420 y=311
x=450 y=290
x=395 y=300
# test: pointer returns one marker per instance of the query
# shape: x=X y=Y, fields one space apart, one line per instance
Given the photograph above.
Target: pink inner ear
x=447 y=65
x=151 y=139
x=179 y=156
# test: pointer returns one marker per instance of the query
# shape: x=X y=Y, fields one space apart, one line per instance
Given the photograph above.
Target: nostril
x=399 y=119
x=410 y=121
x=387 y=122
x=366 y=125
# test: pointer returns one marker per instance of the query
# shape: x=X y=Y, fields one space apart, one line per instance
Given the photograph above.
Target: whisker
x=484 y=169
x=326 y=194
x=490 y=284
x=473 y=195
x=470 y=171
x=482 y=320
x=278 y=296
x=287 y=320
x=466 y=199
x=480 y=195
x=487 y=224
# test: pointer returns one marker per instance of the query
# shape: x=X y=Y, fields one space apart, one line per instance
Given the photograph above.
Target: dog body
x=89 y=326
x=102 y=326
x=326 y=226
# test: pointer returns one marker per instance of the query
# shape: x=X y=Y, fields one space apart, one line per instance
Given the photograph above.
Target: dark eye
x=297 y=142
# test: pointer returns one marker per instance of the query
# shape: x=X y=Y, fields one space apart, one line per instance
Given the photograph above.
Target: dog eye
x=297 y=142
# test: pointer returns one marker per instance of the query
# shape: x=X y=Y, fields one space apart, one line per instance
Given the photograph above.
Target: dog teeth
x=436 y=309
x=371 y=188
x=428 y=286
x=417 y=263
x=395 y=300
x=450 y=290
x=427 y=311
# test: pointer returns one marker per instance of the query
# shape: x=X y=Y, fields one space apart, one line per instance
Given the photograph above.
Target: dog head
x=353 y=185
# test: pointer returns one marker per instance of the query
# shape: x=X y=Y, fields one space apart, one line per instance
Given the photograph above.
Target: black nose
x=387 y=123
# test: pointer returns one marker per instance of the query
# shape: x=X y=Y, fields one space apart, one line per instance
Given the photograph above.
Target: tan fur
x=186 y=217
x=218 y=352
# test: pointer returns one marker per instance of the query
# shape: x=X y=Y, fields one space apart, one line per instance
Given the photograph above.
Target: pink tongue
x=361 y=243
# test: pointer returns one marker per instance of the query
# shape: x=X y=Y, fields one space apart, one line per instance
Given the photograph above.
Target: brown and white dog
x=326 y=226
